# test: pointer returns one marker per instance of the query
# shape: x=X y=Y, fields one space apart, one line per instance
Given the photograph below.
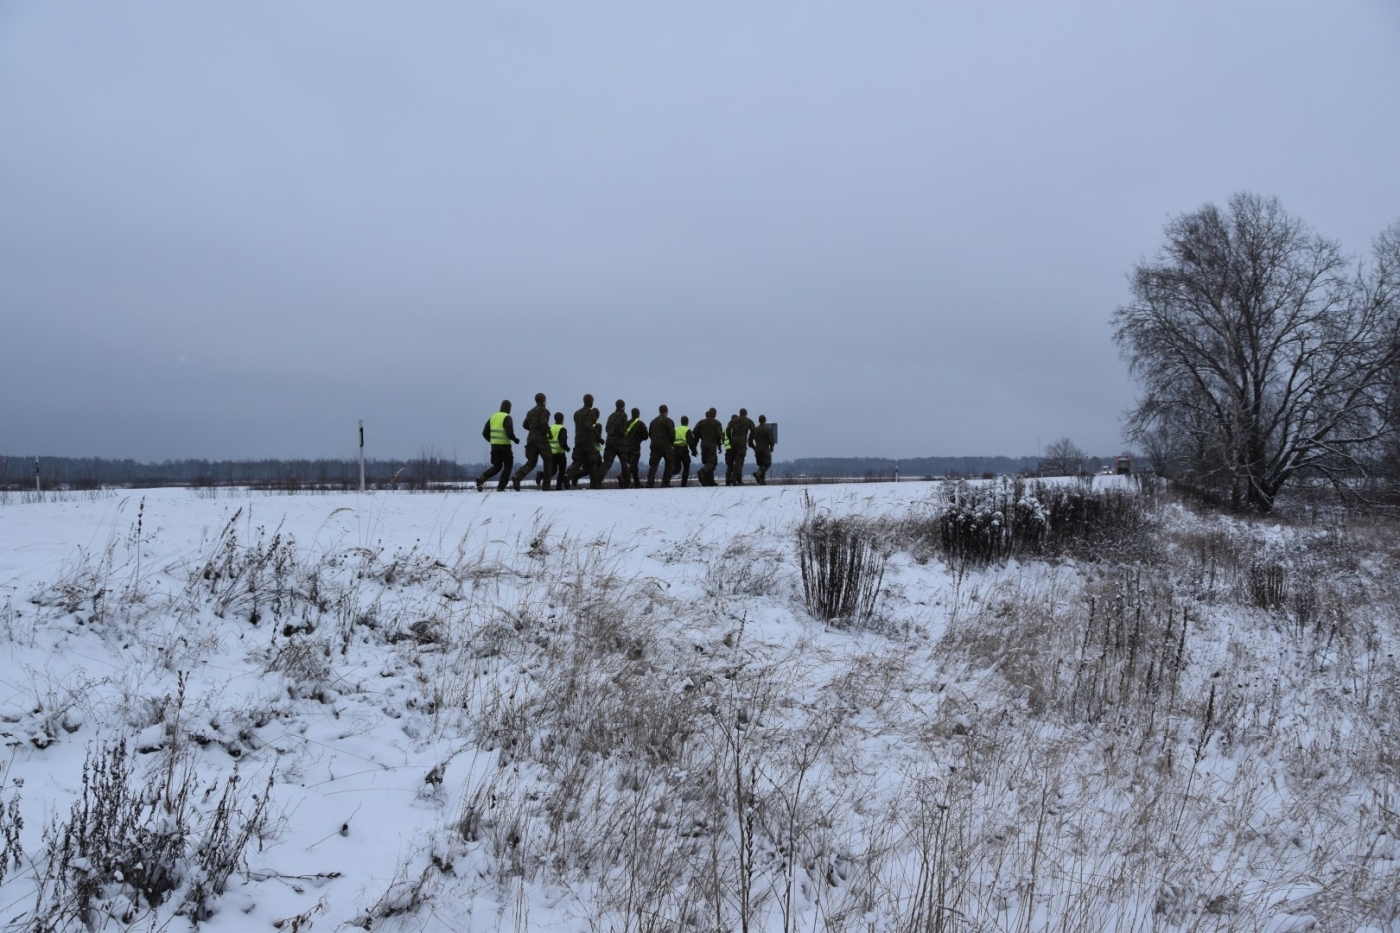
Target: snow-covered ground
x=611 y=710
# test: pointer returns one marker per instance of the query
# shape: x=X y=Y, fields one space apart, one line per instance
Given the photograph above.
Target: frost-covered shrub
x=843 y=566
x=979 y=524
x=130 y=844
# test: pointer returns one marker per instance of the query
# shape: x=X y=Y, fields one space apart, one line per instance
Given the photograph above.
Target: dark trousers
x=559 y=468
x=534 y=453
x=588 y=463
x=631 y=463
x=501 y=459
x=736 y=465
x=661 y=453
x=709 y=461
x=682 y=460
x=612 y=451
x=764 y=459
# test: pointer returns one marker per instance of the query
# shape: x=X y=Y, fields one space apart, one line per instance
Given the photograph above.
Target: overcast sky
x=898 y=229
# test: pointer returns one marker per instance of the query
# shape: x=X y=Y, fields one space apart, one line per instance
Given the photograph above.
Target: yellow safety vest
x=554 y=446
x=682 y=433
x=726 y=438
x=635 y=422
x=498 y=430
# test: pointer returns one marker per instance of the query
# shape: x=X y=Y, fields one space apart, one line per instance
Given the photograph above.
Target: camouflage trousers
x=735 y=476
x=535 y=451
x=660 y=454
x=709 y=461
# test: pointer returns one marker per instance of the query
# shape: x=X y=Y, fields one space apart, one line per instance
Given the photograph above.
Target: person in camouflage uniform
x=616 y=443
x=588 y=442
x=684 y=447
x=739 y=429
x=709 y=434
x=729 y=452
x=761 y=440
x=662 y=434
x=583 y=422
x=500 y=440
x=635 y=436
x=536 y=441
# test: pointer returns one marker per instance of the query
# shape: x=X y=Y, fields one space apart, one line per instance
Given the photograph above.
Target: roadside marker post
x=362 y=455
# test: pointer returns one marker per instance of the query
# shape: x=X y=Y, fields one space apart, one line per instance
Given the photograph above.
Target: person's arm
x=510 y=430
x=564 y=439
x=486 y=430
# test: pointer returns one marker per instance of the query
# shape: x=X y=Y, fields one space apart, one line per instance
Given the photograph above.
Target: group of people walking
x=597 y=446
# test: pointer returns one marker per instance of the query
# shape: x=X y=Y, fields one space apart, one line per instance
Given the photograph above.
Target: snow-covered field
x=611 y=711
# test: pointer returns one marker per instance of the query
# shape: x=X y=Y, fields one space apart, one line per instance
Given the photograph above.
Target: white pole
x=362 y=455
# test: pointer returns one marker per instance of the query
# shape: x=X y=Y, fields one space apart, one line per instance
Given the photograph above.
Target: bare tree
x=1263 y=356
x=1062 y=458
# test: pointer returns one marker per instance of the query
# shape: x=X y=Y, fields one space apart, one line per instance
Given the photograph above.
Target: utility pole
x=362 y=455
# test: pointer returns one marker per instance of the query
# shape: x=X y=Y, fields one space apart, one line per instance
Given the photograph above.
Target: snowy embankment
x=612 y=710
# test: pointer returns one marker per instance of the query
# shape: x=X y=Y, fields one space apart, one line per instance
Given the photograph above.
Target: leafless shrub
x=11 y=824
x=975 y=525
x=843 y=566
x=130 y=845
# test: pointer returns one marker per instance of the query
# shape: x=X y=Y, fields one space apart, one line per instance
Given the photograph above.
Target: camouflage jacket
x=661 y=432
x=739 y=430
x=617 y=427
x=761 y=440
x=709 y=432
x=537 y=421
x=636 y=434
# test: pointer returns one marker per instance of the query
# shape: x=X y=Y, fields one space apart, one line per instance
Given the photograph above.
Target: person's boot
x=515 y=484
x=480 y=484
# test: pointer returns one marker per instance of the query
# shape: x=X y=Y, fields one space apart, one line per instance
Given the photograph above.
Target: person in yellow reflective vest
x=559 y=449
x=636 y=434
x=685 y=446
x=500 y=434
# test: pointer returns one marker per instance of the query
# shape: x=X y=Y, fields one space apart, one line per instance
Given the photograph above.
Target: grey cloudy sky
x=898 y=228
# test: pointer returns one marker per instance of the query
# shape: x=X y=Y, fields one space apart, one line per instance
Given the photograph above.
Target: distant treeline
x=93 y=472
x=915 y=467
x=421 y=472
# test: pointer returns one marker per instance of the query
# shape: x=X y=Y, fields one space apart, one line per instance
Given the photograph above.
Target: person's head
x=636 y=413
x=710 y=413
x=558 y=417
x=593 y=413
x=743 y=413
x=505 y=404
x=733 y=417
x=762 y=419
x=621 y=405
x=539 y=398
x=663 y=409
x=685 y=419
x=587 y=400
